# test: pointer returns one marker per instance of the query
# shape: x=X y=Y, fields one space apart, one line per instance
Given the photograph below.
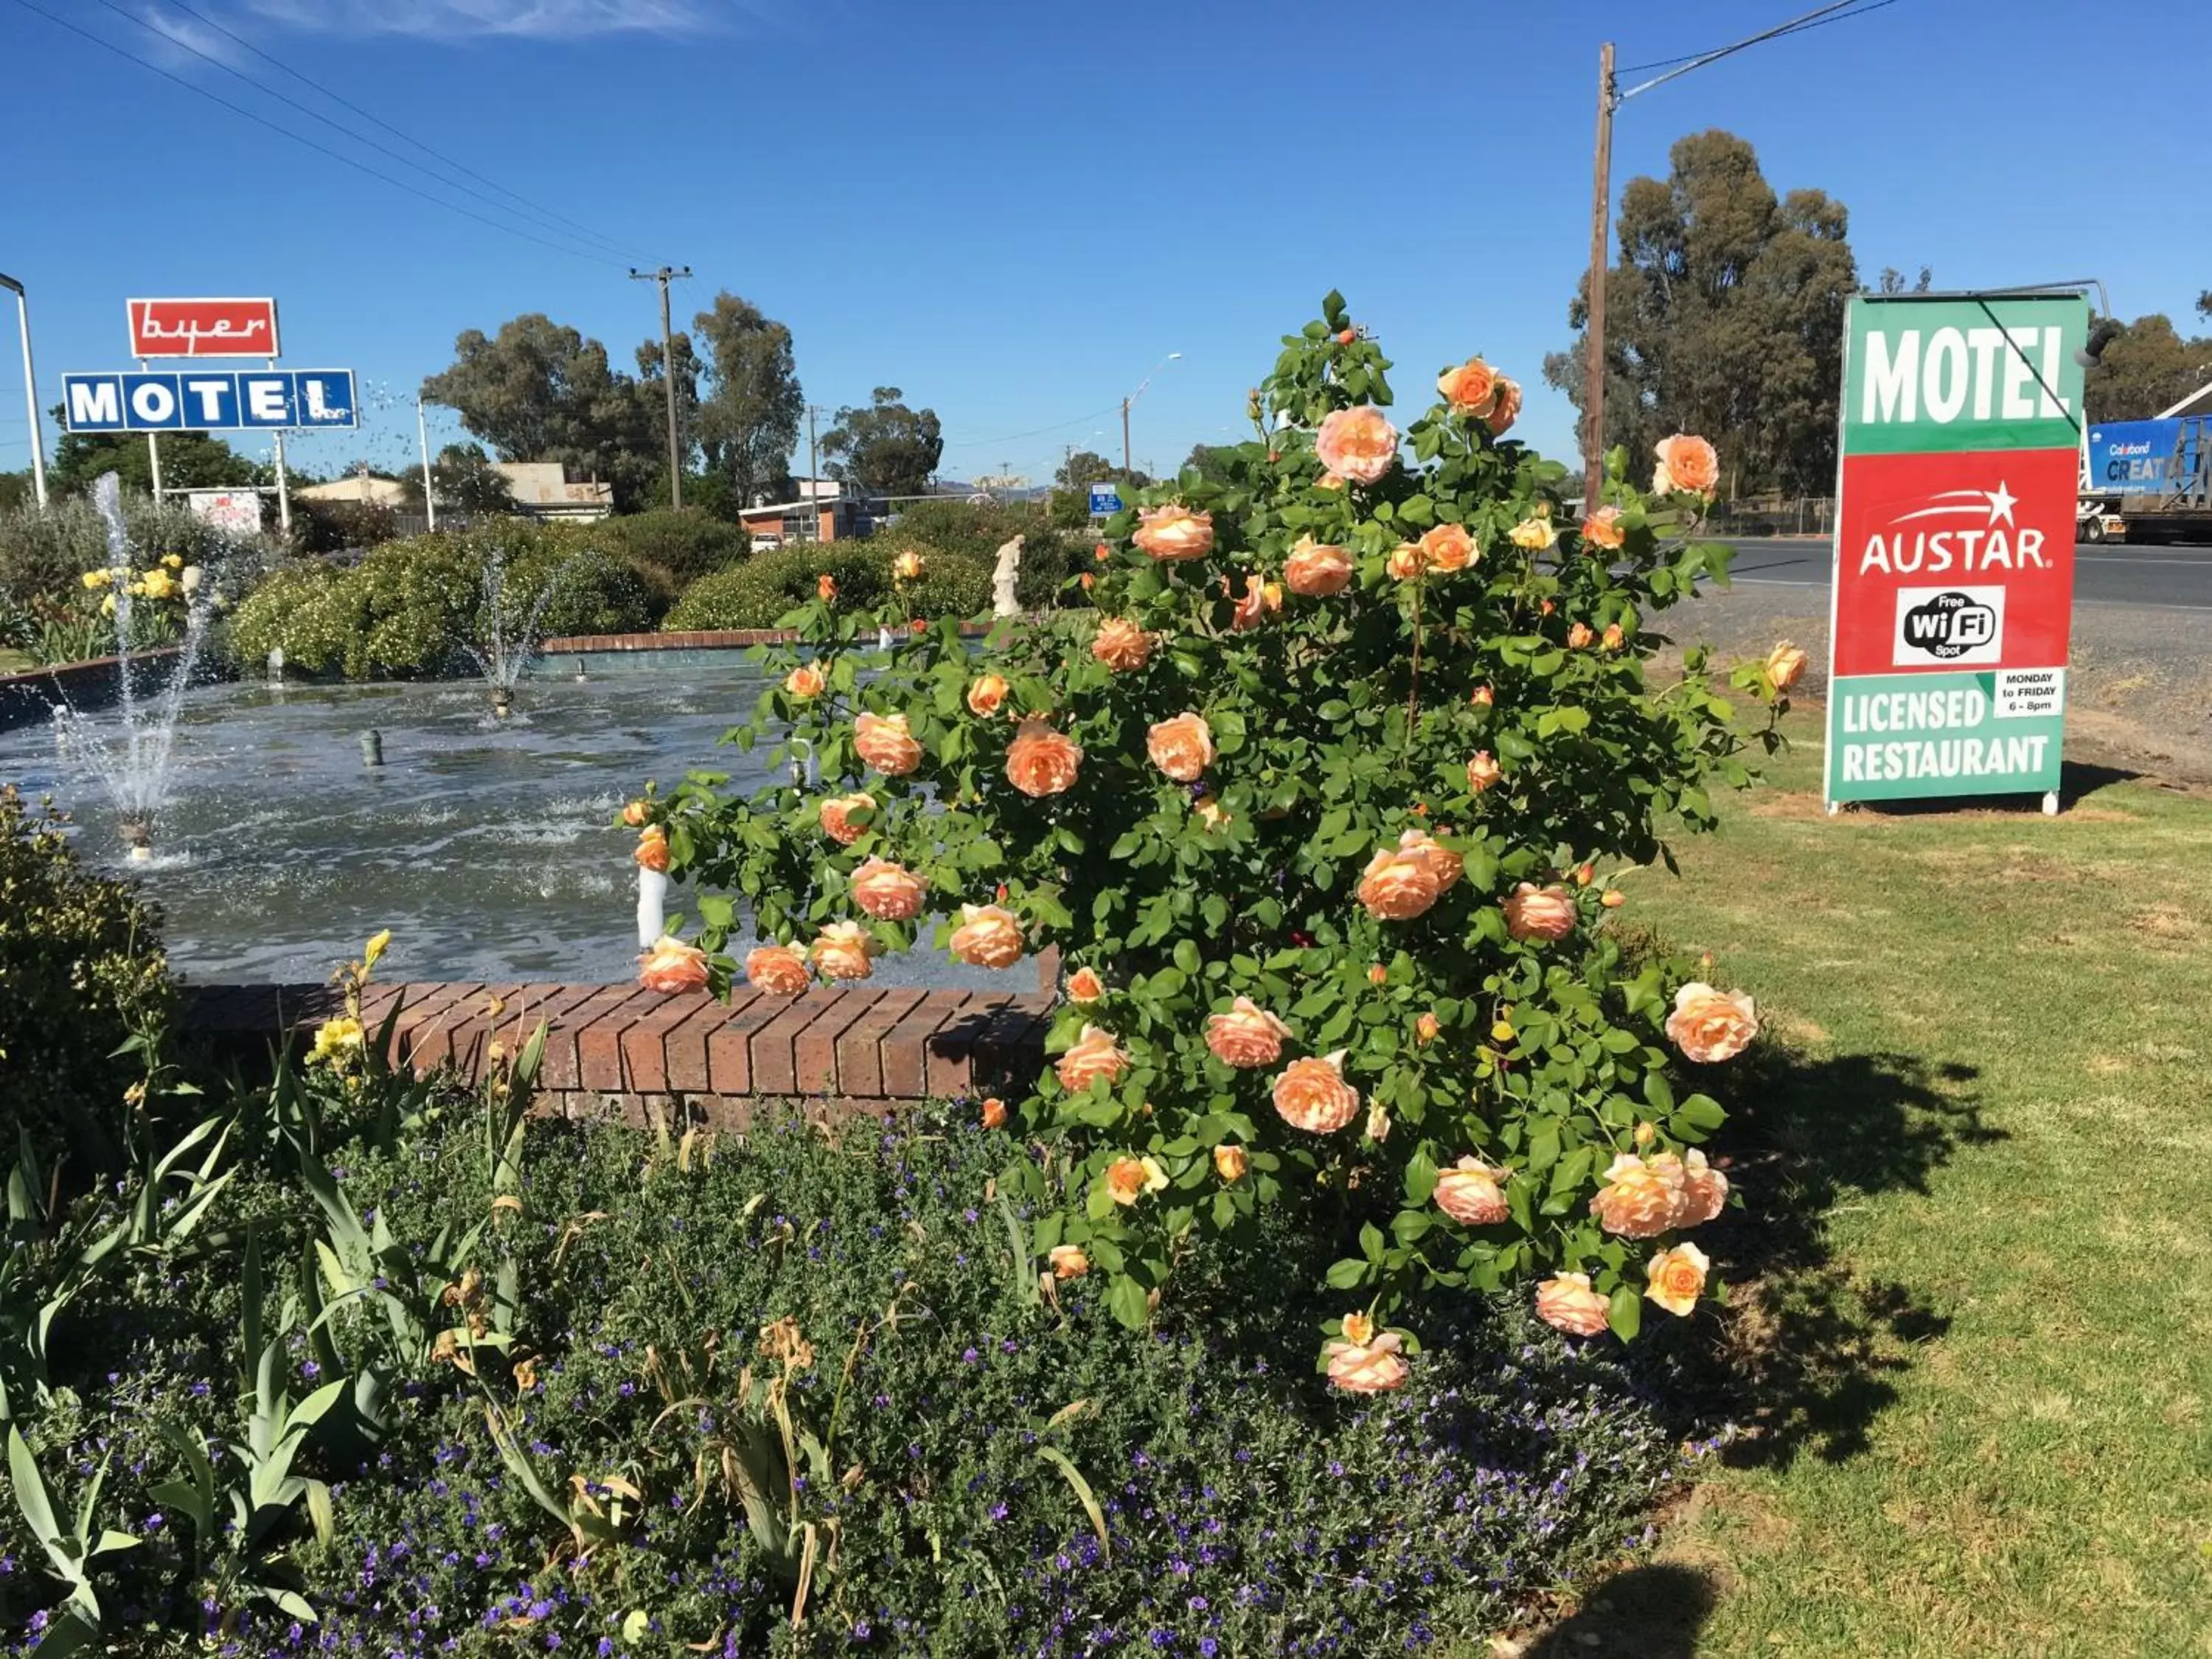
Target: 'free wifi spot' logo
x=1949 y=625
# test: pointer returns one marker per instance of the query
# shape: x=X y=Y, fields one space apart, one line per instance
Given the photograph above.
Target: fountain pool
x=486 y=846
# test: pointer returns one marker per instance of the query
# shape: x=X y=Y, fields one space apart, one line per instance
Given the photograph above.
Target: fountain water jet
x=132 y=763
x=509 y=643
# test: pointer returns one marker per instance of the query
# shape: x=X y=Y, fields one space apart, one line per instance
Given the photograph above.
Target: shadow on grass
x=1650 y=1612
x=1813 y=1351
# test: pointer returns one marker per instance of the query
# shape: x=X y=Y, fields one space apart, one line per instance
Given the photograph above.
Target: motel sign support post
x=1953 y=593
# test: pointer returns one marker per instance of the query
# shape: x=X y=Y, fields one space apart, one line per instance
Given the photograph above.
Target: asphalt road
x=2162 y=578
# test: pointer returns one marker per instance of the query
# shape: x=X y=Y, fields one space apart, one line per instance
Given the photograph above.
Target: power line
x=1794 y=28
x=339 y=99
x=1034 y=432
x=298 y=138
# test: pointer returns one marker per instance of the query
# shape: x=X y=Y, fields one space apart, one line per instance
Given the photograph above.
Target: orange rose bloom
x=1614 y=899
x=1533 y=912
x=988 y=936
x=1686 y=466
x=1209 y=812
x=805 y=681
x=1312 y=1095
x=1579 y=635
x=908 y=567
x=1122 y=645
x=1259 y=600
x=1482 y=696
x=845 y=951
x=1040 y=761
x=652 y=847
x=1705 y=1191
x=1367 y=1368
x=837 y=818
x=994 y=1113
x=1128 y=1179
x=634 y=814
x=1566 y=1303
x=1316 y=572
x=1174 y=533
x=986 y=694
x=1639 y=1200
x=1398 y=885
x=1483 y=772
x=1443 y=863
x=1449 y=547
x=885 y=742
x=776 y=970
x=826 y=587
x=1246 y=1035
x=1406 y=563
x=1182 y=747
x=1084 y=986
x=1094 y=1054
x=1709 y=1026
x=1068 y=1262
x=1427 y=1028
x=1472 y=1193
x=1613 y=639
x=887 y=891
x=1506 y=409
x=1231 y=1162
x=1676 y=1279
x=1377 y=974
x=1784 y=666
x=1358 y=445
x=1603 y=528
x=1470 y=389
x=673 y=965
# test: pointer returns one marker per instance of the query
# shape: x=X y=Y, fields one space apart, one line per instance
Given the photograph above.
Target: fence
x=1805 y=515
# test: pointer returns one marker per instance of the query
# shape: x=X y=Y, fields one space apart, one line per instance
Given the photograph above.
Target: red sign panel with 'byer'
x=202 y=328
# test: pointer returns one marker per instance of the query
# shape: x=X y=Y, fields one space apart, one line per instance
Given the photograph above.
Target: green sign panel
x=1953 y=374
x=1899 y=737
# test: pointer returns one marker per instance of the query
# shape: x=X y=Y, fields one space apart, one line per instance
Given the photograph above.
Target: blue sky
x=1014 y=210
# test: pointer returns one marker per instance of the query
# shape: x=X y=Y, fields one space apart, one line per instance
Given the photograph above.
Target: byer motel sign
x=210 y=400
x=202 y=328
x=1952 y=593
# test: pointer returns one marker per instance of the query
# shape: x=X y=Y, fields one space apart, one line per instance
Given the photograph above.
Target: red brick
x=599 y=1046
x=814 y=1056
x=730 y=1047
x=644 y=1055
x=860 y=1047
x=563 y=1066
x=419 y=1005
x=685 y=1049
x=905 y=1046
x=775 y=1067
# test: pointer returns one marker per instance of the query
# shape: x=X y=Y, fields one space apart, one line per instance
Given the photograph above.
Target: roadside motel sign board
x=202 y=328
x=1952 y=594
x=210 y=400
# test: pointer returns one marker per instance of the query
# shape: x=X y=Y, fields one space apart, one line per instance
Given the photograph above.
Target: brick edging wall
x=622 y=1049
x=35 y=693
x=707 y=639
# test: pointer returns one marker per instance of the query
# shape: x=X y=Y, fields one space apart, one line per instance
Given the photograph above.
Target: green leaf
x=31 y=1496
x=1126 y=1301
x=1370 y=1241
x=1420 y=1177
x=1343 y=1275
x=1059 y=1459
x=1626 y=1313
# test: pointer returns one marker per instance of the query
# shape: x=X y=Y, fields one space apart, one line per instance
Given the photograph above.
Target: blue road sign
x=210 y=400
x=1105 y=500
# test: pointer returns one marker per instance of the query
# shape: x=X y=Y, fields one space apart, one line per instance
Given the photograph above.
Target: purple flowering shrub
x=1001 y=1472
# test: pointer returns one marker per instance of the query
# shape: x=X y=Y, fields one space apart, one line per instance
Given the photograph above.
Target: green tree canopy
x=2149 y=368
x=750 y=403
x=464 y=481
x=885 y=449
x=1724 y=317
x=1083 y=467
x=539 y=391
x=189 y=460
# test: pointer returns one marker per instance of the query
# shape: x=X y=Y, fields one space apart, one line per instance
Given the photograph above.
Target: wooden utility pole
x=1594 y=333
x=664 y=277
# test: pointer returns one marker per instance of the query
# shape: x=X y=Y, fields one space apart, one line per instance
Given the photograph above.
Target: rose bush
x=1323 y=865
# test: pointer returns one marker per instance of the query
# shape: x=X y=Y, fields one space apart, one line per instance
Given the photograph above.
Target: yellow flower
x=174 y=561
x=379 y=942
x=1533 y=534
x=336 y=1040
x=96 y=580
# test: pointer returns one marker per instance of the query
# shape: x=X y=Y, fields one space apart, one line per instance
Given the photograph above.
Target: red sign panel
x=202 y=328
x=1954 y=561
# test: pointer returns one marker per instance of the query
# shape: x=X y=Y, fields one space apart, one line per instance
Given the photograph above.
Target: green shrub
x=758 y=594
x=45 y=552
x=80 y=972
x=413 y=607
x=334 y=526
x=1051 y=550
x=671 y=548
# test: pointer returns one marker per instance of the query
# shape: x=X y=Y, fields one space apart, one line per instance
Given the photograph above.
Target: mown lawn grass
x=1980 y=1345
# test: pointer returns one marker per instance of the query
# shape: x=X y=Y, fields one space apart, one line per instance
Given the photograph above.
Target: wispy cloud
x=457 y=20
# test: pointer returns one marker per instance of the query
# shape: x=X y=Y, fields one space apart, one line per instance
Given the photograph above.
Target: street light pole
x=30 y=391
x=1608 y=101
x=1126 y=402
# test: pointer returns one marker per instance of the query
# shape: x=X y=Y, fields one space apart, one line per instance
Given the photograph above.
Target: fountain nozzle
x=138 y=836
x=502 y=702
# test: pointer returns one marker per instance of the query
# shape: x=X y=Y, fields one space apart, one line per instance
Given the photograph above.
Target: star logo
x=1996 y=505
